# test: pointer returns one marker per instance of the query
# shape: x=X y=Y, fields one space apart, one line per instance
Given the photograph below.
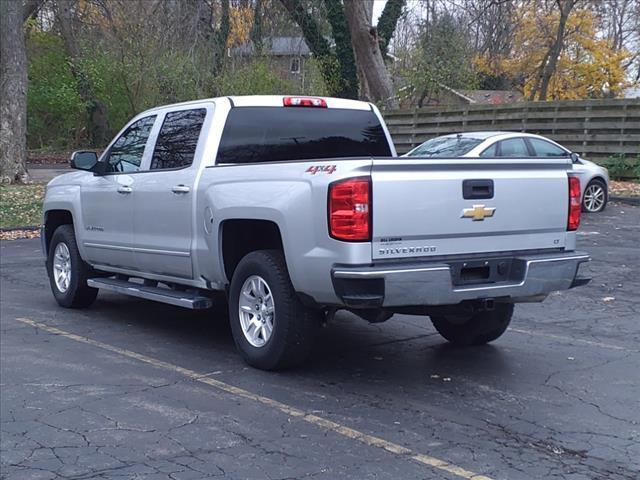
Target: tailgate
x=420 y=209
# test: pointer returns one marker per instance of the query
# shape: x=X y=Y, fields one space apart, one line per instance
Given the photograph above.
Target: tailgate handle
x=476 y=189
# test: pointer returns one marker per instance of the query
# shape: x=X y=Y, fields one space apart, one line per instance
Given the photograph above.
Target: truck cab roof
x=267 y=101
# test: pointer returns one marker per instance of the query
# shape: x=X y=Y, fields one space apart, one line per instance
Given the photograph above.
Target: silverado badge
x=478 y=212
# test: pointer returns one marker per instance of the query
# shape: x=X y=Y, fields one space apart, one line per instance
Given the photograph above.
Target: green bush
x=55 y=112
x=620 y=166
x=253 y=78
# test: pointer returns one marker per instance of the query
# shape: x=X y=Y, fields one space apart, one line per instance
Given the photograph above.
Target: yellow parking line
x=573 y=340
x=320 y=422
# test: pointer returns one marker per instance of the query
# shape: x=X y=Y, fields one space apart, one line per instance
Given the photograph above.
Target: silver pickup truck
x=291 y=208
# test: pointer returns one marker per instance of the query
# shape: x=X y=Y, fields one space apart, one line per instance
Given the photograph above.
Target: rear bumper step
x=186 y=299
x=438 y=283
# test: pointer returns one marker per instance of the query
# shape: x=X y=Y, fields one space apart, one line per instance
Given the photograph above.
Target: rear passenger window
x=489 y=152
x=178 y=139
x=513 y=147
x=546 y=149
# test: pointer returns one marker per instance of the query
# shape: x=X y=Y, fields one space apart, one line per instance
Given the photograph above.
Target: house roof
x=276 y=46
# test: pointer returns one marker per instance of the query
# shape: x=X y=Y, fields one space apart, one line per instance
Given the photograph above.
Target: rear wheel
x=595 y=196
x=67 y=271
x=474 y=328
x=271 y=328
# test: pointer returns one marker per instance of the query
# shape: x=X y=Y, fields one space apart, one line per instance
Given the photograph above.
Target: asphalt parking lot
x=132 y=389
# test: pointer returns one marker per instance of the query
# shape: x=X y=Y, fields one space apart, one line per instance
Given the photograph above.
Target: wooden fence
x=596 y=129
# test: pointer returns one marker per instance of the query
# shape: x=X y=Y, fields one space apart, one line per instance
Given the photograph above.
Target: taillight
x=350 y=209
x=575 y=205
x=304 y=102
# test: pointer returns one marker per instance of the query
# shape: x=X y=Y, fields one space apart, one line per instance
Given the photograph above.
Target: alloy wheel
x=594 y=197
x=256 y=310
x=62 y=267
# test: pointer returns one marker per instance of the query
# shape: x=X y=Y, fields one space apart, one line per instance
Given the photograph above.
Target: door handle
x=180 y=189
x=124 y=189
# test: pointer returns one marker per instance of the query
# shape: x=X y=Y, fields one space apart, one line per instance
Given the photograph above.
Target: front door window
x=126 y=153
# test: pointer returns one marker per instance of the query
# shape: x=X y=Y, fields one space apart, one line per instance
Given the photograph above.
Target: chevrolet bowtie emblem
x=478 y=212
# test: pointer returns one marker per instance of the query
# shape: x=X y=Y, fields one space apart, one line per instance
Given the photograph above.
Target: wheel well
x=240 y=237
x=597 y=178
x=53 y=219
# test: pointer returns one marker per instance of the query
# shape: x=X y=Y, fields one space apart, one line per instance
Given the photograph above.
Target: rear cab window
x=280 y=134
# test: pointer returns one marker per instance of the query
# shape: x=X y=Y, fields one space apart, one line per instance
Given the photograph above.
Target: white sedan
x=594 y=179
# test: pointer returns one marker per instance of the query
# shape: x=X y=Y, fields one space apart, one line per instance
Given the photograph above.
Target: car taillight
x=350 y=209
x=304 y=102
x=575 y=205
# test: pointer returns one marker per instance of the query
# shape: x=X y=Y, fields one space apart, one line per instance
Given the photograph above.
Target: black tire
x=477 y=328
x=294 y=325
x=78 y=294
x=601 y=184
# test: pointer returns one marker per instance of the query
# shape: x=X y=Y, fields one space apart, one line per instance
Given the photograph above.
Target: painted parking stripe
x=294 y=412
x=573 y=340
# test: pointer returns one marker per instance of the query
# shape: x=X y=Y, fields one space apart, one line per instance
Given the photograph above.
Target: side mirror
x=84 y=160
x=574 y=157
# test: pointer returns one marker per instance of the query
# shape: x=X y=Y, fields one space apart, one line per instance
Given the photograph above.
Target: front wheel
x=67 y=271
x=271 y=328
x=474 y=328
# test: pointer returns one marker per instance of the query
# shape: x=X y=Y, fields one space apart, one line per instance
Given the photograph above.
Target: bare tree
x=619 y=22
x=366 y=47
x=13 y=94
x=96 y=111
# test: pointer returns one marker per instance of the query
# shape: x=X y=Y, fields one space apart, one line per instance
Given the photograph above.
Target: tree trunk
x=344 y=50
x=256 y=29
x=220 y=37
x=30 y=9
x=556 y=48
x=388 y=22
x=13 y=94
x=96 y=111
x=367 y=52
x=318 y=45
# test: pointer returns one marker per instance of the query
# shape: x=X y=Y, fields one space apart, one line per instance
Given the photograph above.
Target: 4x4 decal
x=329 y=169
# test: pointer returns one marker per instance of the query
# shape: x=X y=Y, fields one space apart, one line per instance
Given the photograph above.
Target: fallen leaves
x=624 y=189
x=21 y=205
x=19 y=234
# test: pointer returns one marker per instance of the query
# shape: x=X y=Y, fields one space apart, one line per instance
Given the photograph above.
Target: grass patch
x=21 y=205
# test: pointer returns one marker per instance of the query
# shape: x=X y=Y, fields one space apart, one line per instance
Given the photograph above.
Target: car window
x=542 y=148
x=490 y=152
x=513 y=147
x=277 y=134
x=125 y=155
x=440 y=147
x=178 y=139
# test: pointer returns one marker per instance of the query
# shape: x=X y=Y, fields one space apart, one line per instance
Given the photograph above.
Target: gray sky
x=378 y=6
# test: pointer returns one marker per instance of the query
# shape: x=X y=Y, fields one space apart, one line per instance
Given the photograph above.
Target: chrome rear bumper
x=429 y=283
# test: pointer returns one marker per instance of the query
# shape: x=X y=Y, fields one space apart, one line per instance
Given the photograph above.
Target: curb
x=14 y=229
x=626 y=200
